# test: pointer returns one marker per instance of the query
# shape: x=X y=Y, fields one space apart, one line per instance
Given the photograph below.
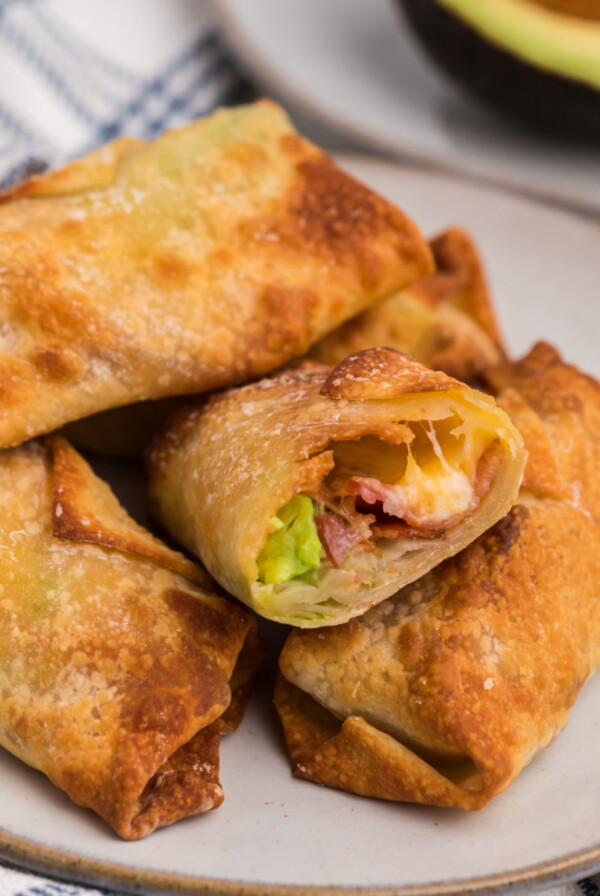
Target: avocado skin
x=545 y=102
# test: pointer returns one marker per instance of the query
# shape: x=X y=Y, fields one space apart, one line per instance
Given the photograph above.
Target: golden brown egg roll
x=446 y=321
x=206 y=258
x=444 y=692
x=314 y=494
x=117 y=672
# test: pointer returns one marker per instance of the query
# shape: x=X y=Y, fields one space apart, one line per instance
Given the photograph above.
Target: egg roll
x=316 y=493
x=446 y=321
x=443 y=693
x=121 y=662
x=208 y=257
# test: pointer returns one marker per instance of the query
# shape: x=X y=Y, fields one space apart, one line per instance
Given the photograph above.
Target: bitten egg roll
x=118 y=673
x=444 y=692
x=316 y=493
x=208 y=257
x=446 y=321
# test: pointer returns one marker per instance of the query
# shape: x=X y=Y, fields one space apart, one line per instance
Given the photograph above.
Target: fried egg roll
x=446 y=321
x=314 y=494
x=208 y=257
x=444 y=692
x=120 y=661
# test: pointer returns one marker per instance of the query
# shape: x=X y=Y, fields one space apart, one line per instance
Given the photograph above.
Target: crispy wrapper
x=444 y=692
x=117 y=673
x=446 y=321
x=207 y=258
x=221 y=472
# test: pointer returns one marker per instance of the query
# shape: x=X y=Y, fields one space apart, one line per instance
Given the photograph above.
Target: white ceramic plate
x=355 y=66
x=277 y=836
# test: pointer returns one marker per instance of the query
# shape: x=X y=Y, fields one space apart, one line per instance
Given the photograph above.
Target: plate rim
x=65 y=865
x=262 y=72
x=34 y=856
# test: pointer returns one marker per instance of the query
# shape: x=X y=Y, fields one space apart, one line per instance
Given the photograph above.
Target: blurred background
x=506 y=91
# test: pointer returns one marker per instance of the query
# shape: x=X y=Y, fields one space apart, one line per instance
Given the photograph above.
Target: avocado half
x=528 y=58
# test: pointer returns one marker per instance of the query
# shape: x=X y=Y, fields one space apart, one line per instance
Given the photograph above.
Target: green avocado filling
x=294 y=548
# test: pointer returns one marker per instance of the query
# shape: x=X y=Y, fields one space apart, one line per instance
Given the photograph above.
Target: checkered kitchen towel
x=77 y=73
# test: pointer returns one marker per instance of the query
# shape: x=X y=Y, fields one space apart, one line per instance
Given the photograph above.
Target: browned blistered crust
x=85 y=509
x=446 y=321
x=442 y=693
x=205 y=259
x=116 y=672
x=460 y=281
x=382 y=373
x=309 y=388
x=458 y=334
x=568 y=403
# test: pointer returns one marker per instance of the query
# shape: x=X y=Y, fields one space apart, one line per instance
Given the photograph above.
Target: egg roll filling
x=375 y=493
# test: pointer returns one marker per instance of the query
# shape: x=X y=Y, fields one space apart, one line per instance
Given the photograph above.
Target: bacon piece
x=386 y=526
x=391 y=500
x=371 y=509
x=337 y=537
x=487 y=466
x=373 y=494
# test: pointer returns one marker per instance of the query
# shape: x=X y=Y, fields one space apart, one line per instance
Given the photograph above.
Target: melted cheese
x=434 y=491
x=433 y=494
x=429 y=480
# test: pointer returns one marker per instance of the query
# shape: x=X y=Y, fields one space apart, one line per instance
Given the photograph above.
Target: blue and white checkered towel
x=77 y=73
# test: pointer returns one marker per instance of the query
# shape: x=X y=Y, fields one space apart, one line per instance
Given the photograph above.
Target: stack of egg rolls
x=445 y=691
x=367 y=494
x=445 y=320
x=206 y=258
